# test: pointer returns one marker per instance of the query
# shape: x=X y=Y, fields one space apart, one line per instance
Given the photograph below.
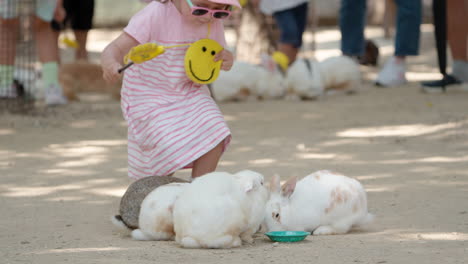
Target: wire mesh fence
x=18 y=74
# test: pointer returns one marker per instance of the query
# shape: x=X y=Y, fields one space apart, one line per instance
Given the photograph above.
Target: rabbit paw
x=247 y=238
x=324 y=230
x=137 y=234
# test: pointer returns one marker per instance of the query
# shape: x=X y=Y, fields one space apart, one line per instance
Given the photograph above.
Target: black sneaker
x=439 y=86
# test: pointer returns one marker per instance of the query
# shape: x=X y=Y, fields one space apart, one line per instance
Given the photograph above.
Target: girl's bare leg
x=208 y=162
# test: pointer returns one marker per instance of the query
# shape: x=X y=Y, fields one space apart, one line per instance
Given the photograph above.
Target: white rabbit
x=309 y=79
x=155 y=221
x=246 y=81
x=258 y=196
x=323 y=202
x=214 y=211
x=340 y=73
x=303 y=79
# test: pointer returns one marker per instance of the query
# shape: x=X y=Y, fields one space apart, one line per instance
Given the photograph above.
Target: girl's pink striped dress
x=171 y=120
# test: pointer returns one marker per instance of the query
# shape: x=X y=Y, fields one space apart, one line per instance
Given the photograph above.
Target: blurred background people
x=80 y=18
x=291 y=18
x=45 y=11
x=457 y=29
x=353 y=21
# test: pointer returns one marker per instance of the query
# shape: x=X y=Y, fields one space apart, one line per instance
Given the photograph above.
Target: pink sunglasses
x=201 y=11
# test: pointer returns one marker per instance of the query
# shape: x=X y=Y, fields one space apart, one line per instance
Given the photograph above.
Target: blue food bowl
x=287 y=236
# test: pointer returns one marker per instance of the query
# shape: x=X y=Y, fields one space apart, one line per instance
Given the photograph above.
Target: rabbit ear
x=275 y=185
x=248 y=186
x=288 y=187
x=248 y=183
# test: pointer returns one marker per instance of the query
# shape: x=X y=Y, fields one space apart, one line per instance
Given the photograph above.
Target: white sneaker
x=54 y=95
x=392 y=74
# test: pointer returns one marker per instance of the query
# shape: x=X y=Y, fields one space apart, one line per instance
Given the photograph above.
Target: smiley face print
x=199 y=61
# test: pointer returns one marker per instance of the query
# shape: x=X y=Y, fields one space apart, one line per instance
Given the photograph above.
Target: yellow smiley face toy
x=199 y=61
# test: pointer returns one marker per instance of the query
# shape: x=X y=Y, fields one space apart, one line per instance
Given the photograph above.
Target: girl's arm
x=113 y=54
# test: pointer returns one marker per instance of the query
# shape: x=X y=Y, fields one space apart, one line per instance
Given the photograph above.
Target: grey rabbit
x=130 y=202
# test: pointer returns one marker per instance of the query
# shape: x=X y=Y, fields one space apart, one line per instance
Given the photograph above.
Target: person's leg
x=409 y=17
x=300 y=13
x=457 y=11
x=352 y=23
x=208 y=162
x=291 y=23
x=81 y=37
x=82 y=22
x=8 y=34
x=46 y=42
x=457 y=33
x=48 y=52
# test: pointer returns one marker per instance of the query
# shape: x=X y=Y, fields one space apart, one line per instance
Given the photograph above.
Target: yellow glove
x=143 y=52
x=281 y=59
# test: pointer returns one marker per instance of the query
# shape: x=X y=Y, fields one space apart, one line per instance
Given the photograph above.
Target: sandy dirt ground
x=63 y=172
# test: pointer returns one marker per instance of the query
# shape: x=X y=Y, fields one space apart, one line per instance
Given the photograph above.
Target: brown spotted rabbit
x=323 y=202
x=130 y=202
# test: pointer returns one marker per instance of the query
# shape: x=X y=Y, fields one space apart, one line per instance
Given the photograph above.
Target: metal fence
x=18 y=62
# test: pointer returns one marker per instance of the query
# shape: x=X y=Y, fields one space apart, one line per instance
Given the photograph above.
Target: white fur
x=215 y=210
x=257 y=194
x=323 y=203
x=120 y=225
x=155 y=221
x=249 y=82
x=334 y=73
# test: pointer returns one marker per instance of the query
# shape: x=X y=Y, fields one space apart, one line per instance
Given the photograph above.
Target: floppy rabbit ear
x=275 y=185
x=288 y=187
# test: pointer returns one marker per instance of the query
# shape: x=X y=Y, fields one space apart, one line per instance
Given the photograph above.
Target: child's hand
x=112 y=56
x=227 y=57
x=110 y=73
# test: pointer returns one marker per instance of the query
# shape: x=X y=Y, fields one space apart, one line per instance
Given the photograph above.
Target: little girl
x=173 y=123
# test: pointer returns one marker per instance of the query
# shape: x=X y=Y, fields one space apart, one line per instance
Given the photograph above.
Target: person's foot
x=54 y=95
x=392 y=74
x=438 y=86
